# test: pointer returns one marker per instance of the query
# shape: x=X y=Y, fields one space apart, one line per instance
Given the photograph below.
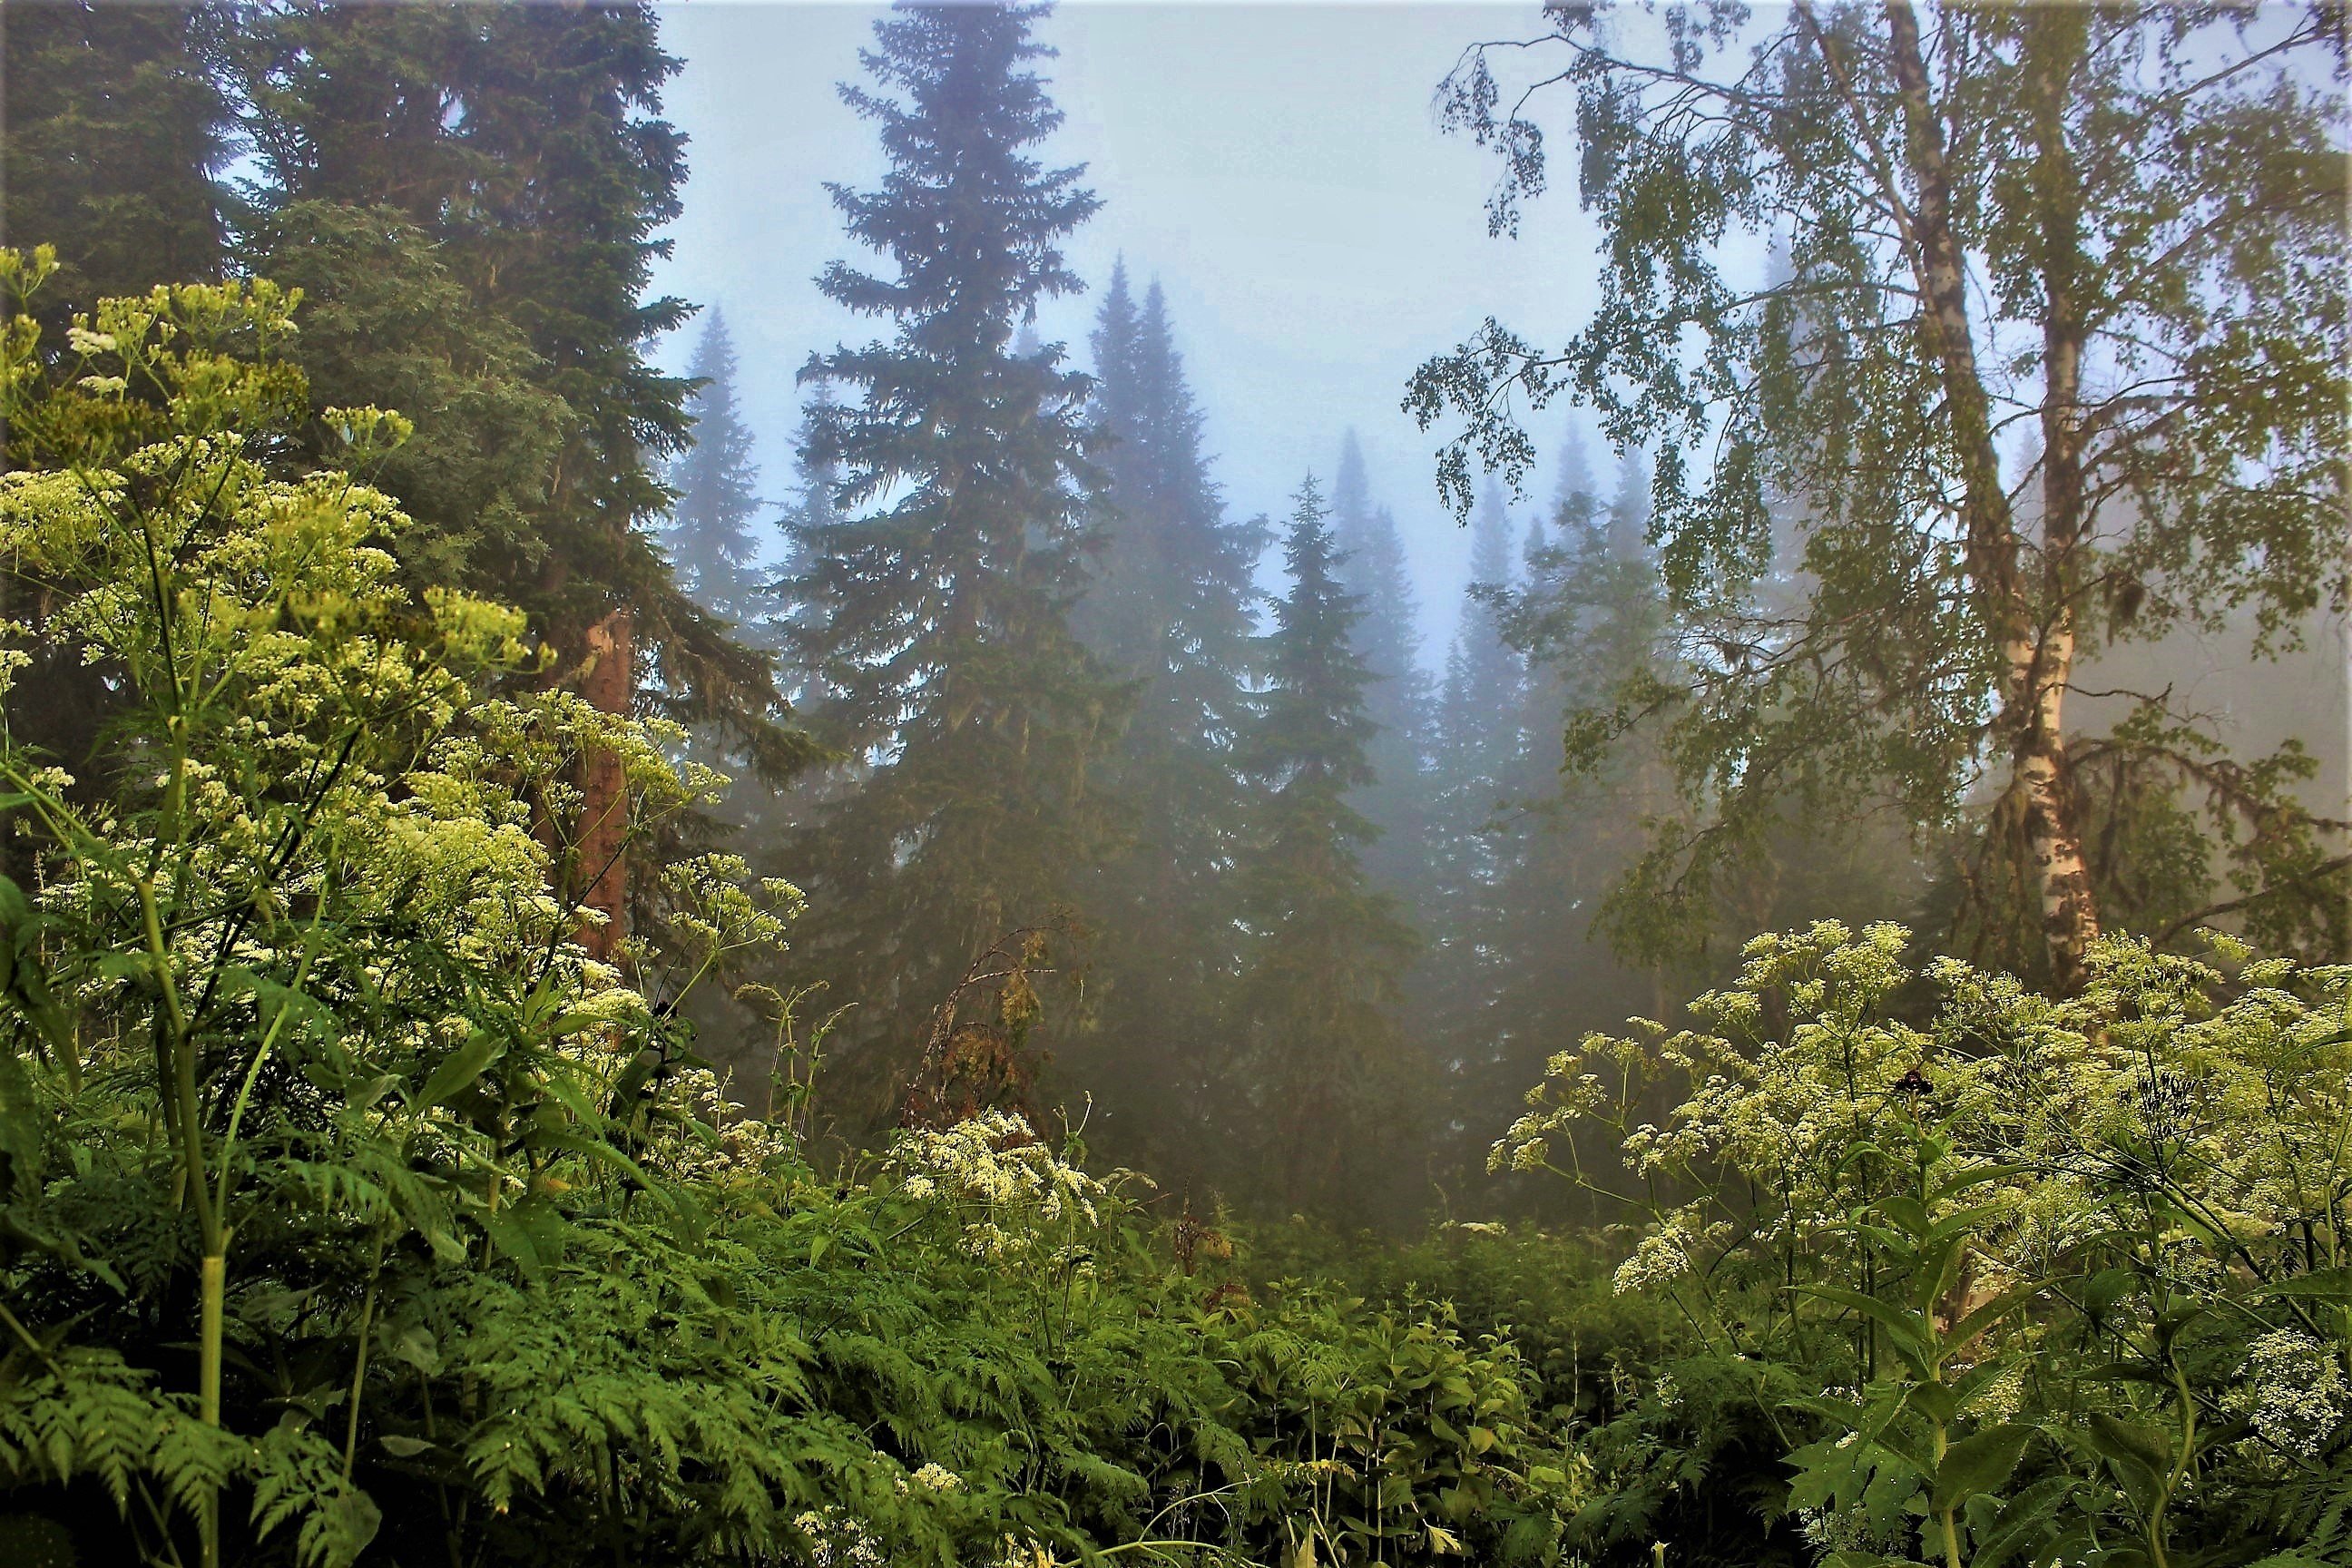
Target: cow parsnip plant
x=288 y=996
x=2074 y=1271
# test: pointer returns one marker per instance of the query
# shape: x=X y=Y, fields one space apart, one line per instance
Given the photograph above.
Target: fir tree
x=1475 y=830
x=935 y=616
x=1170 y=611
x=510 y=165
x=813 y=508
x=518 y=151
x=116 y=129
x=1398 y=701
x=1316 y=1017
x=1576 y=625
x=1477 y=739
x=712 y=540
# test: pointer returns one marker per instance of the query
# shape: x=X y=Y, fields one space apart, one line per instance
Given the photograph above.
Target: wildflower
x=2294 y=1389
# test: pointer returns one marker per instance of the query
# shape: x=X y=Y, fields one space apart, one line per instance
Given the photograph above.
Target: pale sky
x=1278 y=167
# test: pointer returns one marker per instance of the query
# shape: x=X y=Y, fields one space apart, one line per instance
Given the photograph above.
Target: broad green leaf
x=2147 y=1449
x=2330 y=1284
x=458 y=1069
x=1979 y=1463
x=1903 y=1325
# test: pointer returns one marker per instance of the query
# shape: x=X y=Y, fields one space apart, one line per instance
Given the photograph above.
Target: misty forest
x=1013 y=897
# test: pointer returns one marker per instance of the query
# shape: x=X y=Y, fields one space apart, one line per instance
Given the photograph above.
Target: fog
x=1279 y=169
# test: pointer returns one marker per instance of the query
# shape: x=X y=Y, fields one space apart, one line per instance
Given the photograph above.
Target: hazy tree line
x=1301 y=905
x=1311 y=920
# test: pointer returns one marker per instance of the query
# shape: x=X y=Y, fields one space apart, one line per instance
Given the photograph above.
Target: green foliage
x=1398 y=698
x=117 y=127
x=1171 y=608
x=1316 y=1063
x=471 y=198
x=2070 y=1272
x=712 y=533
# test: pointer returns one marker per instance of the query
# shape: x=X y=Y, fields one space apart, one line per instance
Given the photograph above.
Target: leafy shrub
x=2073 y=1273
x=1670 y=1438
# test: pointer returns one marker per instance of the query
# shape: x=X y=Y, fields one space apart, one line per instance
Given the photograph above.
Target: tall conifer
x=1477 y=830
x=713 y=538
x=509 y=165
x=1400 y=700
x=1477 y=739
x=1171 y=610
x=116 y=128
x=1322 y=1055
x=1562 y=846
x=936 y=629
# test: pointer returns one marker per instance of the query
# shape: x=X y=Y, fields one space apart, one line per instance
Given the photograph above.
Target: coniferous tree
x=1171 y=610
x=1476 y=737
x=713 y=538
x=1577 y=623
x=470 y=197
x=1400 y=700
x=116 y=128
x=517 y=154
x=936 y=618
x=1323 y=1068
x=813 y=508
x=1475 y=826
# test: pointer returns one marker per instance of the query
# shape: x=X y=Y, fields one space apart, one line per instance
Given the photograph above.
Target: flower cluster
x=835 y=1539
x=2293 y=1390
x=993 y=1171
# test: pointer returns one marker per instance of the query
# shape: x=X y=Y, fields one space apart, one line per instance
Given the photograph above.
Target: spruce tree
x=935 y=623
x=517 y=154
x=1476 y=829
x=116 y=129
x=813 y=508
x=1323 y=1072
x=1400 y=700
x=1576 y=625
x=1170 y=611
x=713 y=538
x=1477 y=739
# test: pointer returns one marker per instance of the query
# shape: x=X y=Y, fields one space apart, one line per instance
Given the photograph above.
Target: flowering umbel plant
x=292 y=921
x=2086 y=1260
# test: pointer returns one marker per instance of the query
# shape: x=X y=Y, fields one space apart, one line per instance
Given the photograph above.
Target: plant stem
x=359 y=1360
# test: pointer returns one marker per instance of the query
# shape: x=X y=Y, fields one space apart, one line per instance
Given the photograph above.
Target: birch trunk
x=2038 y=654
x=2055 y=39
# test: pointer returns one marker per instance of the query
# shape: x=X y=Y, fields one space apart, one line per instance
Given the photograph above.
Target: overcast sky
x=1279 y=168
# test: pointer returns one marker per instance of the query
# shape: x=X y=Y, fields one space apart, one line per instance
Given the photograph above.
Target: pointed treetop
x=967 y=105
x=1352 y=496
x=1575 y=467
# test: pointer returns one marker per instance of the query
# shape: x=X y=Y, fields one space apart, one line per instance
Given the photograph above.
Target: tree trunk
x=2055 y=39
x=608 y=684
x=2037 y=661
